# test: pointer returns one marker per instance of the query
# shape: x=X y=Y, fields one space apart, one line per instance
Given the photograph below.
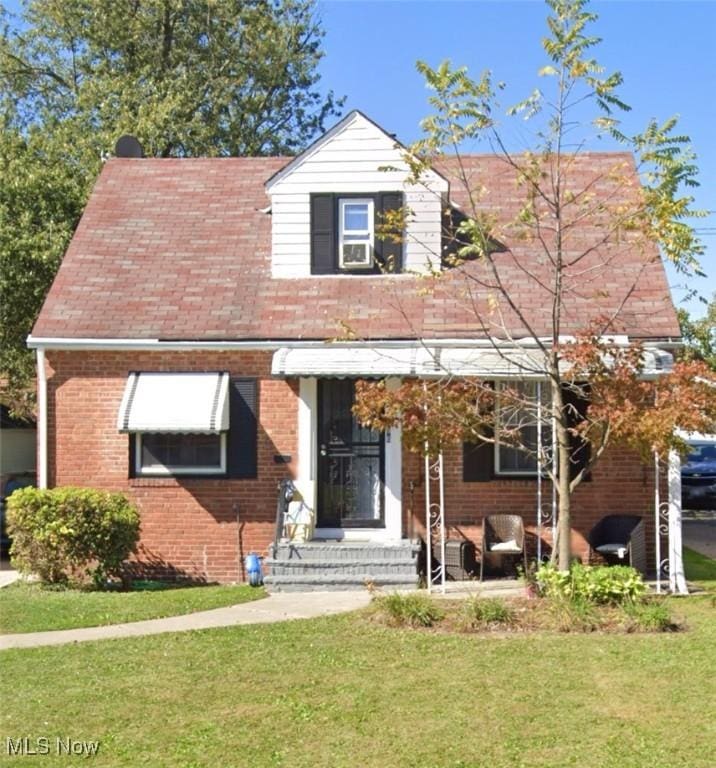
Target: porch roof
x=424 y=361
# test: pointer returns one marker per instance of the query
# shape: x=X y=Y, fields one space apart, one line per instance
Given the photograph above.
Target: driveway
x=700 y=535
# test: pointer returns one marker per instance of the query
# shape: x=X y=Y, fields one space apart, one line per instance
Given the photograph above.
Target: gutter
x=269 y=345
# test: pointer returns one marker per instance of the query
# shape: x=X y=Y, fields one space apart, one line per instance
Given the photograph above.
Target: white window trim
x=369 y=233
x=161 y=470
x=498 y=470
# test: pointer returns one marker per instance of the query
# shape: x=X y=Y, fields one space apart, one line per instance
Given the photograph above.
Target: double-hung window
x=356 y=218
x=180 y=454
x=517 y=436
x=178 y=422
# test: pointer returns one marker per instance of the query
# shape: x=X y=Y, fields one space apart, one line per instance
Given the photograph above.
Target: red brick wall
x=202 y=528
x=621 y=484
x=198 y=528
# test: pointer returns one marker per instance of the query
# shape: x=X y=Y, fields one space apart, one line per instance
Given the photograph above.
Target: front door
x=351 y=462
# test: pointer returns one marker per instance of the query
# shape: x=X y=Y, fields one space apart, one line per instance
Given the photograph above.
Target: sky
x=666 y=52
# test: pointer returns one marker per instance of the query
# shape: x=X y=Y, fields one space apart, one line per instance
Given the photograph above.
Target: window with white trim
x=160 y=453
x=356 y=219
x=517 y=413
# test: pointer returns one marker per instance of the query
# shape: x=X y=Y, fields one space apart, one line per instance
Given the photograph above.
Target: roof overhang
x=175 y=402
x=228 y=345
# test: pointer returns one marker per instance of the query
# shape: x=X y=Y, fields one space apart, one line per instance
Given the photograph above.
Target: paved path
x=8 y=577
x=700 y=535
x=278 y=607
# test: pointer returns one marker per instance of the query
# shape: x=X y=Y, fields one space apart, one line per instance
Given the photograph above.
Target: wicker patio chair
x=502 y=536
x=620 y=540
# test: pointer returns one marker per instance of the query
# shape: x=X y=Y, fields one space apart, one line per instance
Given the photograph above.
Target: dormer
x=328 y=203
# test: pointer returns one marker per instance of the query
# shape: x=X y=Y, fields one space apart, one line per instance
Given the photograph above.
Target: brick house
x=185 y=354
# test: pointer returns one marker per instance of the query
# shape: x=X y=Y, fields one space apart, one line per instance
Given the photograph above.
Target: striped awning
x=175 y=402
x=429 y=362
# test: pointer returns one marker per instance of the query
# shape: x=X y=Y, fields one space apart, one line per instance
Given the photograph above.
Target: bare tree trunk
x=564 y=500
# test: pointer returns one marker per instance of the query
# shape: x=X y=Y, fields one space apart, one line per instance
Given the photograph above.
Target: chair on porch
x=620 y=540
x=502 y=536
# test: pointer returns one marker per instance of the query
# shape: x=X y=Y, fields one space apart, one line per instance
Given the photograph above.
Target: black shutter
x=243 y=429
x=478 y=461
x=324 y=256
x=580 y=450
x=132 y=455
x=388 y=254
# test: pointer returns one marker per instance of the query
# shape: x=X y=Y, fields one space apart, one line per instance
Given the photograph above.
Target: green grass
x=30 y=608
x=342 y=692
x=700 y=569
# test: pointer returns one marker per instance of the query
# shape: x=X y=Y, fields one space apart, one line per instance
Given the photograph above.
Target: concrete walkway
x=700 y=535
x=8 y=577
x=278 y=607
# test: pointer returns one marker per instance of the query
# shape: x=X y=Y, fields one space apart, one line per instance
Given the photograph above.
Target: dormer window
x=356 y=233
x=345 y=234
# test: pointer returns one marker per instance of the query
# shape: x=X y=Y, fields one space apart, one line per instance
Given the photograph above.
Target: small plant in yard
x=650 y=616
x=570 y=614
x=67 y=535
x=598 y=585
x=484 y=612
x=413 y=610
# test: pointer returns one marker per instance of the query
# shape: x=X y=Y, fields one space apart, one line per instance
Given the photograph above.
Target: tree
x=700 y=335
x=578 y=103
x=186 y=77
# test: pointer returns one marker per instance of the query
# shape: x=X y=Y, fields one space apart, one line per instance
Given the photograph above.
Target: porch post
x=677 y=578
x=428 y=525
x=657 y=523
x=307 y=441
x=539 y=472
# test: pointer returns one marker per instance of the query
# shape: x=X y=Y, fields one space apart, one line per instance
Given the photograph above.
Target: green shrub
x=478 y=612
x=71 y=534
x=650 y=616
x=413 y=610
x=598 y=584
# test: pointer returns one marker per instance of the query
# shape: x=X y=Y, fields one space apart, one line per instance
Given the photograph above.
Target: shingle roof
x=181 y=248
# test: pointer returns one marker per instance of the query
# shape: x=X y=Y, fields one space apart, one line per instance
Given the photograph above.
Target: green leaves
x=462 y=107
x=67 y=534
x=700 y=335
x=667 y=164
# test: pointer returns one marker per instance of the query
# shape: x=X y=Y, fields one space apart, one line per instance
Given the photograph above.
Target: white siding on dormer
x=349 y=159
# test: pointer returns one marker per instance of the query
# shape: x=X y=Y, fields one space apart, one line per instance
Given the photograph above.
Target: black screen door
x=351 y=462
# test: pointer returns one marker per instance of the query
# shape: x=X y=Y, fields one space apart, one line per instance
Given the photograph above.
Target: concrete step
x=278 y=567
x=349 y=550
x=334 y=565
x=338 y=582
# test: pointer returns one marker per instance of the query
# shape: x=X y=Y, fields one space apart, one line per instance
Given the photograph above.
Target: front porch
x=380 y=515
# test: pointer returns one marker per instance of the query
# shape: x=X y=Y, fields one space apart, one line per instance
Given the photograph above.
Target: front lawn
x=32 y=608
x=700 y=569
x=342 y=692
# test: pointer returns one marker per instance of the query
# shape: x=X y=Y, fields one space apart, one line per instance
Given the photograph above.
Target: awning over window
x=175 y=402
x=429 y=362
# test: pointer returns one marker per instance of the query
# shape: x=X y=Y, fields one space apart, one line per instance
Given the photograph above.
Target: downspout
x=41 y=419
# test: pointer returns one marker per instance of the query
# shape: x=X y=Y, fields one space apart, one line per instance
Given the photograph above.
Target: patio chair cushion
x=612 y=549
x=505 y=546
